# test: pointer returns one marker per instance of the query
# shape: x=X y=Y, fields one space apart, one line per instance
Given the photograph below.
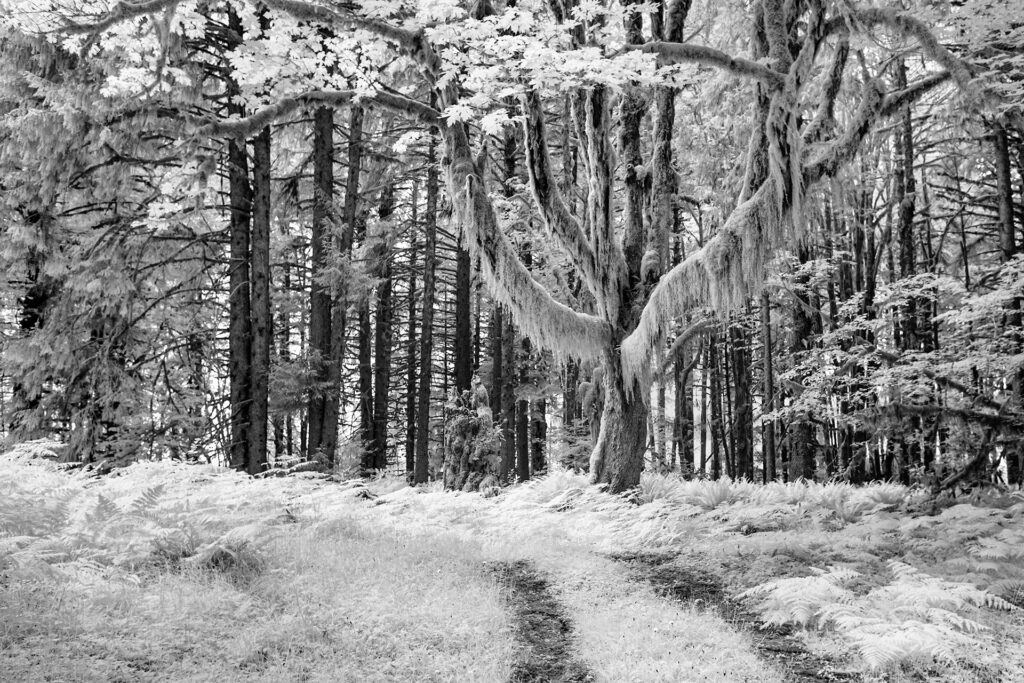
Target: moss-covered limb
x=547 y=322
x=549 y=198
x=961 y=71
x=719 y=275
x=873 y=107
x=684 y=53
x=824 y=116
x=600 y=209
x=246 y=126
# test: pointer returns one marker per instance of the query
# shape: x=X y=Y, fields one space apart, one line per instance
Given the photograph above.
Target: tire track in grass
x=776 y=644
x=542 y=630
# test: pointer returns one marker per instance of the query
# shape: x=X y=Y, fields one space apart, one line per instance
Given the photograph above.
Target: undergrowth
x=210 y=575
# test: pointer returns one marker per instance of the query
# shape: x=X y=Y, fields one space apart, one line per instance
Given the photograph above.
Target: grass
x=296 y=597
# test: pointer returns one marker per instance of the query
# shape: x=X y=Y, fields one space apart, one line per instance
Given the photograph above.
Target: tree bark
x=618 y=457
x=382 y=342
x=1008 y=249
x=339 y=315
x=768 y=404
x=422 y=464
x=240 y=322
x=239 y=303
x=743 y=418
x=319 y=293
x=803 y=446
x=538 y=436
x=508 y=400
x=262 y=327
x=463 y=329
x=410 y=384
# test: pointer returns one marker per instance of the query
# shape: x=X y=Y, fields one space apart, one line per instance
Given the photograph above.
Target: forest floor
x=168 y=572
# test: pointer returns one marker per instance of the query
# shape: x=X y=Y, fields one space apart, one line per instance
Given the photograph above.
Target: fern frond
x=149 y=499
x=104 y=511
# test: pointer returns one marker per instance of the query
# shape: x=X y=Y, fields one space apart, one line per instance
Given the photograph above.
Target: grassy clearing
x=218 y=576
x=214 y=580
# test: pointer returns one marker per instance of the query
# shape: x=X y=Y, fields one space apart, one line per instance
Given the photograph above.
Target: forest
x=496 y=322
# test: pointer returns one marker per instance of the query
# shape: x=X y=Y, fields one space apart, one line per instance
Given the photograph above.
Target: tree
x=605 y=63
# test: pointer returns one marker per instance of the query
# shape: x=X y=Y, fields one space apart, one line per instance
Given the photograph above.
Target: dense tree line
x=760 y=240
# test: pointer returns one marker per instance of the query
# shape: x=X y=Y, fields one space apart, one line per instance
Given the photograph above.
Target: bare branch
x=683 y=53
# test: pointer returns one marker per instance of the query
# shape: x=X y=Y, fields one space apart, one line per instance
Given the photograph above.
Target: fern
x=800 y=600
x=916 y=616
x=149 y=499
x=104 y=511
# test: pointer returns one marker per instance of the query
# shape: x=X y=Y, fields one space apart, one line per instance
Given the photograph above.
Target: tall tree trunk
x=410 y=385
x=365 y=360
x=803 y=445
x=1008 y=249
x=523 y=446
x=715 y=399
x=618 y=456
x=768 y=405
x=538 y=436
x=319 y=292
x=283 y=341
x=239 y=303
x=743 y=417
x=262 y=327
x=508 y=400
x=240 y=324
x=382 y=342
x=339 y=321
x=422 y=464
x=910 y=336
x=463 y=328
x=497 y=362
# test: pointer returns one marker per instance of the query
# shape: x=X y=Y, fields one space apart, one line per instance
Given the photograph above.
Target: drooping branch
x=243 y=127
x=684 y=53
x=120 y=12
x=720 y=275
x=824 y=117
x=547 y=322
x=873 y=106
x=549 y=199
x=307 y=11
x=675 y=351
x=908 y=26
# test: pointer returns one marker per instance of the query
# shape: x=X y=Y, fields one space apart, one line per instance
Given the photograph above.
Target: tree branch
x=683 y=53
x=549 y=323
x=121 y=11
x=873 y=106
x=241 y=128
x=719 y=275
x=908 y=26
x=548 y=197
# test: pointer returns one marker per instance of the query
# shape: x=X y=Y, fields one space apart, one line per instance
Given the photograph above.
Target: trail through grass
x=211 y=575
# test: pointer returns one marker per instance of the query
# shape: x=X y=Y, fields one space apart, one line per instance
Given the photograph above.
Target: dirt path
x=775 y=644
x=543 y=632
